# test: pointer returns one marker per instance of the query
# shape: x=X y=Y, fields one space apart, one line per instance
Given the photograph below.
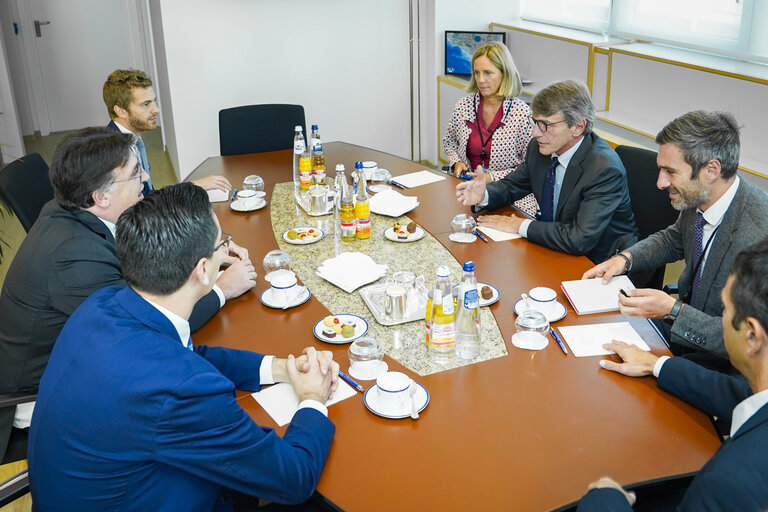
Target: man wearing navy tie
x=736 y=477
x=132 y=416
x=577 y=179
x=133 y=109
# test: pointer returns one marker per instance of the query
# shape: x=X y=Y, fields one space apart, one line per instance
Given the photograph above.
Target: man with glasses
x=132 y=415
x=69 y=253
x=577 y=179
x=132 y=107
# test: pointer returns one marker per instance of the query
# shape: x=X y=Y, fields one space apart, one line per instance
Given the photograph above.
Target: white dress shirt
x=714 y=216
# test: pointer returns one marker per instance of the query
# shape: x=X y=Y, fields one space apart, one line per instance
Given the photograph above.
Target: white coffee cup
x=543 y=300
x=283 y=285
x=393 y=389
x=248 y=198
x=368 y=168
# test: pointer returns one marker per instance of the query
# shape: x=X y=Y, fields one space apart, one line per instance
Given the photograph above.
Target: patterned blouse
x=508 y=145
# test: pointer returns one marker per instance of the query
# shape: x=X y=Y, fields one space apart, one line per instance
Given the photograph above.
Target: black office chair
x=16 y=486
x=25 y=187
x=650 y=206
x=259 y=128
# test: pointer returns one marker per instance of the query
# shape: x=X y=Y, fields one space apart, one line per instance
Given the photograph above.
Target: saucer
x=238 y=206
x=309 y=239
x=529 y=341
x=371 y=400
x=383 y=368
x=361 y=327
x=559 y=314
x=464 y=238
x=267 y=300
x=390 y=234
x=486 y=302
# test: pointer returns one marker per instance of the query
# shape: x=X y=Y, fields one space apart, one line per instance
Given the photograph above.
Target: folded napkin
x=217 y=195
x=392 y=203
x=351 y=270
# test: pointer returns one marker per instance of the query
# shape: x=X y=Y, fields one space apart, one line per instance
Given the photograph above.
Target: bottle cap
x=442 y=271
x=469 y=266
x=314 y=127
x=339 y=167
x=358 y=165
x=299 y=128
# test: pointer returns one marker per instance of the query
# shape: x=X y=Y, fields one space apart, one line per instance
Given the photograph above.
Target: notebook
x=588 y=296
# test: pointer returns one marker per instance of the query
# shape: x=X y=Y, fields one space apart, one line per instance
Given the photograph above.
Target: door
x=77 y=44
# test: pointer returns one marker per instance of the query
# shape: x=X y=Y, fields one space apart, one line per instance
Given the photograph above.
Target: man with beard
x=132 y=106
x=720 y=214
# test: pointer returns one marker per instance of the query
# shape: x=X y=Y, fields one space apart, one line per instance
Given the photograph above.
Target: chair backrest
x=14 y=487
x=259 y=128
x=650 y=206
x=25 y=187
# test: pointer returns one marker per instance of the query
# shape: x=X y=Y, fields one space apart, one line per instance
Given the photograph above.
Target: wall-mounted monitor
x=461 y=45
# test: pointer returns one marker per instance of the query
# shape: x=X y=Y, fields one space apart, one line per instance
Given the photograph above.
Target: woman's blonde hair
x=499 y=55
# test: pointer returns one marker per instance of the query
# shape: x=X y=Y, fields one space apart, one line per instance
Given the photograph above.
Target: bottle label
x=319 y=176
x=471 y=300
x=298 y=147
x=347 y=229
x=316 y=146
x=448 y=304
x=306 y=179
x=363 y=228
x=443 y=335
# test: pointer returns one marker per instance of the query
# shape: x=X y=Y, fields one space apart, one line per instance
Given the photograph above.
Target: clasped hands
x=314 y=374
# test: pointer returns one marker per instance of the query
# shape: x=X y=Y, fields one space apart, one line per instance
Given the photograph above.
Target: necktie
x=145 y=164
x=190 y=346
x=698 y=235
x=548 y=194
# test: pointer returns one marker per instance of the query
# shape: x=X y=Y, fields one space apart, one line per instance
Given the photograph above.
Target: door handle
x=37 y=27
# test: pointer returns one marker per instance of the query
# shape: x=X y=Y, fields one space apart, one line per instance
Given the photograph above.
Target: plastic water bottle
x=468 y=315
x=315 y=139
x=442 y=329
x=299 y=147
x=347 y=215
x=362 y=209
x=340 y=184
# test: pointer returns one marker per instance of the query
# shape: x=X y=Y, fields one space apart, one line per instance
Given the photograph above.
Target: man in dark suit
x=578 y=180
x=68 y=254
x=131 y=416
x=720 y=214
x=736 y=477
x=132 y=107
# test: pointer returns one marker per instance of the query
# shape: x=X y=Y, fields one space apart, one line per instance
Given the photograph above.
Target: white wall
x=11 y=144
x=346 y=61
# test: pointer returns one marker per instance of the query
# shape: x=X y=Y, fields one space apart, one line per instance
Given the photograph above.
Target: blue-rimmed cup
x=393 y=389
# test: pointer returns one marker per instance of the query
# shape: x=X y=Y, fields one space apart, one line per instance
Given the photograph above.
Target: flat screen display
x=461 y=45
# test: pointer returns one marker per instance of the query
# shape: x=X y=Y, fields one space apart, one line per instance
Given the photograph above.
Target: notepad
x=497 y=235
x=280 y=401
x=588 y=340
x=417 y=179
x=588 y=296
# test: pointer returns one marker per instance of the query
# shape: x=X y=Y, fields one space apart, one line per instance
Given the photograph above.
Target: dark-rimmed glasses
x=543 y=125
x=225 y=243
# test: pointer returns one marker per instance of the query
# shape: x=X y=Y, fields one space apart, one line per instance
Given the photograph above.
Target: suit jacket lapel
x=572 y=173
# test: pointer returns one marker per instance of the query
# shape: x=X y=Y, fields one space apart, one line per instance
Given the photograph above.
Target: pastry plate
x=267 y=300
x=390 y=234
x=559 y=314
x=238 y=206
x=307 y=240
x=486 y=302
x=372 y=402
x=361 y=327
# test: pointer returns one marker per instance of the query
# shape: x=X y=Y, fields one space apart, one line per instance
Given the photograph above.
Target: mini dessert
x=291 y=234
x=486 y=292
x=302 y=236
x=351 y=322
x=396 y=227
x=402 y=235
x=328 y=332
x=347 y=331
x=330 y=321
x=411 y=227
x=313 y=232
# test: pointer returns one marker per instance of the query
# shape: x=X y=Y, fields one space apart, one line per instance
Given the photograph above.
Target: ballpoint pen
x=559 y=341
x=480 y=236
x=234 y=194
x=350 y=381
x=392 y=182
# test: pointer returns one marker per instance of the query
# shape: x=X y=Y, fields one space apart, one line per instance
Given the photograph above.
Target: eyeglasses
x=136 y=174
x=543 y=125
x=225 y=243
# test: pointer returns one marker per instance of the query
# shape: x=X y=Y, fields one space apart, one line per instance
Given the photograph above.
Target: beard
x=692 y=195
x=141 y=125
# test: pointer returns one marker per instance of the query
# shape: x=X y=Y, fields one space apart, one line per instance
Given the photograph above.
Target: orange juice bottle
x=362 y=209
x=305 y=171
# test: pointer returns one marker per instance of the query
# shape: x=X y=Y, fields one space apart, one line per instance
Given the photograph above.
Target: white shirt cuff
x=658 y=365
x=484 y=202
x=523 y=230
x=265 y=371
x=314 y=404
x=220 y=293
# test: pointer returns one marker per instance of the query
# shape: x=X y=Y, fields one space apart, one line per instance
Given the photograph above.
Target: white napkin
x=418 y=178
x=351 y=270
x=281 y=403
x=392 y=203
x=217 y=195
x=497 y=235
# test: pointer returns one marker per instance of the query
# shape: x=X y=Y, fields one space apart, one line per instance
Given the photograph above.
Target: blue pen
x=559 y=341
x=234 y=194
x=350 y=381
x=393 y=182
x=464 y=177
x=480 y=236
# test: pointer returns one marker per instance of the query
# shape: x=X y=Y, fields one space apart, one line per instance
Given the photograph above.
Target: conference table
x=528 y=430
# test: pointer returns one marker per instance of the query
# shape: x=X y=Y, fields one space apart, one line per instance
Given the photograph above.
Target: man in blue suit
x=131 y=416
x=736 y=478
x=132 y=107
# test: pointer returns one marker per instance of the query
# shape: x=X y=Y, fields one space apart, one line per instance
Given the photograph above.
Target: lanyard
x=483 y=154
x=698 y=265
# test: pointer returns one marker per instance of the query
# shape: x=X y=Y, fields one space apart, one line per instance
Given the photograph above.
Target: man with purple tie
x=577 y=179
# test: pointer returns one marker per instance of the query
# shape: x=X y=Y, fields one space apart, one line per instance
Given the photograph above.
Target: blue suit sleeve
x=240 y=366
x=603 y=500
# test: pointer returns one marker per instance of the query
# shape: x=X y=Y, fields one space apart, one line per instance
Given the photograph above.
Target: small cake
x=411 y=227
x=486 y=292
x=347 y=331
x=302 y=236
x=328 y=332
x=330 y=321
x=313 y=232
x=396 y=227
x=402 y=235
x=351 y=322
x=291 y=234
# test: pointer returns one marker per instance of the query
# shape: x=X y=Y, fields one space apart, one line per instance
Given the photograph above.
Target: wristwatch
x=672 y=315
x=627 y=262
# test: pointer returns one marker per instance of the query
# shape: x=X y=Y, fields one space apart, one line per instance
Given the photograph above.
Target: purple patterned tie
x=548 y=194
x=698 y=235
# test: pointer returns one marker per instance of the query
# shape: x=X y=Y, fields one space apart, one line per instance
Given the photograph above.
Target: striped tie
x=548 y=194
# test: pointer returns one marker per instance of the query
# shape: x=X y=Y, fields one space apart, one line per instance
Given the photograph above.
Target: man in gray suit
x=720 y=214
x=577 y=179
